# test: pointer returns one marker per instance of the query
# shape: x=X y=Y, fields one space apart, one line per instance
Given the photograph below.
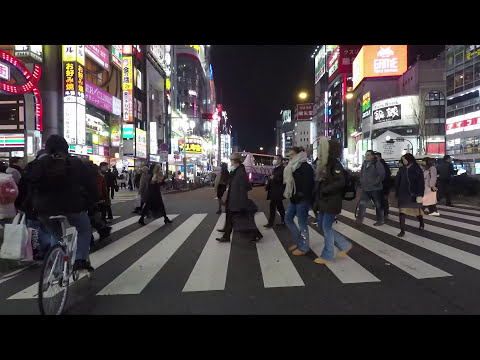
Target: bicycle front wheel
x=53 y=288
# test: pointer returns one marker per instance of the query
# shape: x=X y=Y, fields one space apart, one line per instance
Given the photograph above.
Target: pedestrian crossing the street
x=277 y=267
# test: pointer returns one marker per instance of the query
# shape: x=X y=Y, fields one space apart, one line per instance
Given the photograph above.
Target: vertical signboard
x=73 y=94
x=153 y=138
x=127 y=88
x=320 y=64
x=117 y=55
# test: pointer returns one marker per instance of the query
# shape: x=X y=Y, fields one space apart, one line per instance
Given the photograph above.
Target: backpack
x=350 y=188
x=56 y=167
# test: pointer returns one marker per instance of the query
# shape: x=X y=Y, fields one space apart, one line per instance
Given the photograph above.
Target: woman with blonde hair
x=154 y=203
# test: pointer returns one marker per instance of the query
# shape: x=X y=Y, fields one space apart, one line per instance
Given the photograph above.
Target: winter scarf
x=288 y=179
x=322 y=154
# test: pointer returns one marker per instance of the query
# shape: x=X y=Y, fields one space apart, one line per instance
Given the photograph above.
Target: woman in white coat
x=430 y=196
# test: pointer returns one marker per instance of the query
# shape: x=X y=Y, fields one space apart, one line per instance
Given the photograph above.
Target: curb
x=179 y=191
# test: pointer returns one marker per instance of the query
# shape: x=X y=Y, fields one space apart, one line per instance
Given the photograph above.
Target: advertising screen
x=320 y=64
x=397 y=111
x=379 y=61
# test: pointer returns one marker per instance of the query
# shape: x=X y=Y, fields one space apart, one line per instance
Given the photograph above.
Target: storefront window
x=469 y=142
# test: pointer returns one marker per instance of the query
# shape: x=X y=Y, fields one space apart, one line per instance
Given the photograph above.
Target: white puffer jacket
x=8 y=211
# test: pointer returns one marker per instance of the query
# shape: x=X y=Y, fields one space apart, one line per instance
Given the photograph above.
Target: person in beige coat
x=430 y=196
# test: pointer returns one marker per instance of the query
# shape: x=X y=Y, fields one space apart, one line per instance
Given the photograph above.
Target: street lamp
x=349 y=96
x=261 y=148
x=303 y=95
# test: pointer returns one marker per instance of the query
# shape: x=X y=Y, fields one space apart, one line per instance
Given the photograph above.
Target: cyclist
x=61 y=185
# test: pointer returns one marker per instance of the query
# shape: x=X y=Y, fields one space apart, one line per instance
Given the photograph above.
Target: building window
x=468 y=77
x=450 y=82
x=458 y=81
x=459 y=55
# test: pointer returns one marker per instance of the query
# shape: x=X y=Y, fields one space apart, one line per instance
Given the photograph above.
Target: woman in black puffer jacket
x=410 y=187
x=328 y=198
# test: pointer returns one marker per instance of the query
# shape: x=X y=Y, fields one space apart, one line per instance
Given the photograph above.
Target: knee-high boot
x=420 y=220
x=402 y=225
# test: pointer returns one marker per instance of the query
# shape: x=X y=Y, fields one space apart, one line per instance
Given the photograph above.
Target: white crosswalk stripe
x=136 y=277
x=460 y=216
x=279 y=269
x=210 y=271
x=468 y=211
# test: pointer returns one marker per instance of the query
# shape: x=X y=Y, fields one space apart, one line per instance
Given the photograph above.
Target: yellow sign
x=81 y=54
x=95 y=139
x=196 y=47
x=69 y=52
x=167 y=84
x=127 y=71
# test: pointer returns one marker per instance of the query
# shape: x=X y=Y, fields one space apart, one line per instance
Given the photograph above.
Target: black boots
x=141 y=221
x=167 y=220
x=420 y=220
x=402 y=225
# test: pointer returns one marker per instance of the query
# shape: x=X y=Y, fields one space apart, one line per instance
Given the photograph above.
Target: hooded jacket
x=372 y=175
x=144 y=180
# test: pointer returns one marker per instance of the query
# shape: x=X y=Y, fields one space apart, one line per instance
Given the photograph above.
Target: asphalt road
x=181 y=269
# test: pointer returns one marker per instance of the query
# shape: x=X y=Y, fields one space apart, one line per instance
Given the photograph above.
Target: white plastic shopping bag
x=15 y=239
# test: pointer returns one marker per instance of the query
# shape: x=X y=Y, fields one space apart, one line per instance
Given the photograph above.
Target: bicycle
x=57 y=270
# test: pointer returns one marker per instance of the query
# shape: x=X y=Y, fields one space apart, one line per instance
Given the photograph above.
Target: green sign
x=128 y=131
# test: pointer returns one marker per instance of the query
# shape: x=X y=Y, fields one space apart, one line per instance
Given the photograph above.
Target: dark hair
x=371 y=152
x=279 y=156
x=378 y=154
x=103 y=164
x=56 y=144
x=3 y=167
x=429 y=162
x=335 y=149
x=14 y=160
x=410 y=158
x=224 y=172
x=446 y=157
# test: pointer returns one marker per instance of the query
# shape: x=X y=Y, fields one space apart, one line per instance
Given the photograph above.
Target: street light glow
x=303 y=95
x=261 y=148
x=349 y=96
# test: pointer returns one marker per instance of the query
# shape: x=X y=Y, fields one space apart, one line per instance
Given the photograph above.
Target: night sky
x=254 y=82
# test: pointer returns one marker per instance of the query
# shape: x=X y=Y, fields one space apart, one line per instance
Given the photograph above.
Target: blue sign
x=211 y=72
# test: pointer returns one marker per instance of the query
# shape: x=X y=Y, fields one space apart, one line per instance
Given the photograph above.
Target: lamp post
x=184 y=127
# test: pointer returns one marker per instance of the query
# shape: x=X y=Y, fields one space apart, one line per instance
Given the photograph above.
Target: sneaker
x=378 y=223
x=436 y=213
x=268 y=226
x=223 y=239
x=315 y=223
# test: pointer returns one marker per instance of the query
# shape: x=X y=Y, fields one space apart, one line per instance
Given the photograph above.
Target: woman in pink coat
x=430 y=196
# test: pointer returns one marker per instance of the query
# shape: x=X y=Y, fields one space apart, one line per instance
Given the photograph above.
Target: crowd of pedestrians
x=322 y=186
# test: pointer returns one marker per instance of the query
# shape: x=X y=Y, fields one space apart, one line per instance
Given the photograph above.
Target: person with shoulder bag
x=330 y=176
x=430 y=195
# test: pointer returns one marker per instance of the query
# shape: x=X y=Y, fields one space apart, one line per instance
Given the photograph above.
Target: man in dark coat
x=275 y=189
x=61 y=185
x=240 y=210
x=387 y=183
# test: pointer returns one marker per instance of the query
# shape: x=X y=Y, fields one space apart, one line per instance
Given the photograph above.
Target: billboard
x=466 y=122
x=286 y=116
x=379 y=61
x=366 y=108
x=397 y=111
x=304 y=111
x=341 y=59
x=320 y=64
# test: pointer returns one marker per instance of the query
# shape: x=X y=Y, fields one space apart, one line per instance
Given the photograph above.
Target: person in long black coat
x=410 y=187
x=275 y=189
x=240 y=210
x=154 y=202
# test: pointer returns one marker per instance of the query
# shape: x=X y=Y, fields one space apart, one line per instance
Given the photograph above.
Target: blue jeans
x=81 y=222
x=377 y=197
x=331 y=237
x=44 y=238
x=301 y=235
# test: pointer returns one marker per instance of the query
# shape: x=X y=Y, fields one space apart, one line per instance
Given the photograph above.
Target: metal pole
x=184 y=160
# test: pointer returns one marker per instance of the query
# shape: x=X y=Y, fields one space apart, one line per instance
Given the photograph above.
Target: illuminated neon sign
x=30 y=85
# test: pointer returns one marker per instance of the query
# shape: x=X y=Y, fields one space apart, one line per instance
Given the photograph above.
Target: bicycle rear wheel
x=52 y=289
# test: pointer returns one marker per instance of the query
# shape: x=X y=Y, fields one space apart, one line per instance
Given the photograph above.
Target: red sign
x=461 y=124
x=304 y=111
x=30 y=85
x=341 y=59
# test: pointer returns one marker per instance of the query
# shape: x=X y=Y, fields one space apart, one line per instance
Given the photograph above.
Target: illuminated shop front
x=21 y=122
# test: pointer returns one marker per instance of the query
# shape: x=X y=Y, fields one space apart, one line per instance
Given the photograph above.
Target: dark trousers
x=274 y=205
x=386 y=204
x=107 y=210
x=444 y=190
x=111 y=189
x=229 y=227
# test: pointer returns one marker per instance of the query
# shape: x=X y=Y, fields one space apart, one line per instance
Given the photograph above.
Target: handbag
x=15 y=239
x=138 y=201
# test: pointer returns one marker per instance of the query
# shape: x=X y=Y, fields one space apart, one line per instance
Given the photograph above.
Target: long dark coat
x=409 y=185
x=329 y=195
x=275 y=186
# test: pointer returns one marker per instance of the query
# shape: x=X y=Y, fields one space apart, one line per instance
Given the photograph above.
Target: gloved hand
x=419 y=199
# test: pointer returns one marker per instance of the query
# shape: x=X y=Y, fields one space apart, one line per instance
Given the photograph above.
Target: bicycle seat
x=59 y=217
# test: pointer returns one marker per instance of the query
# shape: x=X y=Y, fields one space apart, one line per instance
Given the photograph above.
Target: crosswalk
x=278 y=268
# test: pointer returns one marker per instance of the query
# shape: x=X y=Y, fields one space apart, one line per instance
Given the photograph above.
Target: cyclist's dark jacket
x=56 y=195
